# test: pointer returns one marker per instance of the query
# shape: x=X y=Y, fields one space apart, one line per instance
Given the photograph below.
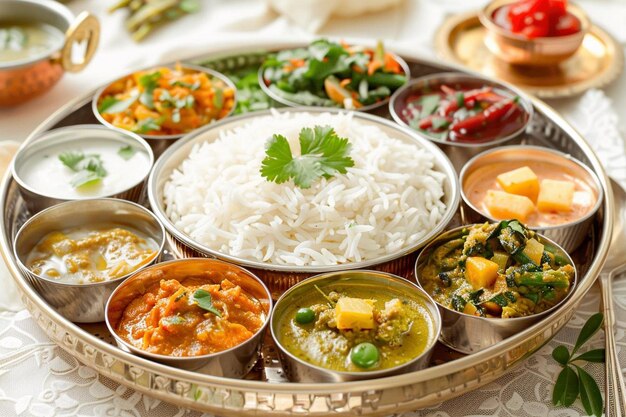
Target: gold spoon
x=615 y=391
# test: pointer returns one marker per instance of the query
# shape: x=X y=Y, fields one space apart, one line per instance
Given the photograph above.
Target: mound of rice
x=387 y=201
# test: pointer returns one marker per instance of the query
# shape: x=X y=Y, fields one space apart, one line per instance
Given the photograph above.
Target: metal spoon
x=615 y=391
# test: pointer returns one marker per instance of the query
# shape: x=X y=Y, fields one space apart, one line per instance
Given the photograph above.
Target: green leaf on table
x=126 y=152
x=566 y=388
x=589 y=393
x=204 y=301
x=561 y=355
x=323 y=154
x=595 y=355
x=590 y=328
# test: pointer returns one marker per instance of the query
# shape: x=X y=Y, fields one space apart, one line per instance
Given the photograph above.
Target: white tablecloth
x=39 y=379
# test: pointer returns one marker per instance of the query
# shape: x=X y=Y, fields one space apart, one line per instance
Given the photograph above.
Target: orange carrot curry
x=191 y=318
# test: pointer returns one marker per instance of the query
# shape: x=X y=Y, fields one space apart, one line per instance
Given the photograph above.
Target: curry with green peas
x=356 y=328
x=497 y=270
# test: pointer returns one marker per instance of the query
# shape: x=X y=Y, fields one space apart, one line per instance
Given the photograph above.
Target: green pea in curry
x=497 y=270
x=356 y=328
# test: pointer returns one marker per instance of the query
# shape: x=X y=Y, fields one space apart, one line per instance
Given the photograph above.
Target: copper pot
x=519 y=50
x=22 y=80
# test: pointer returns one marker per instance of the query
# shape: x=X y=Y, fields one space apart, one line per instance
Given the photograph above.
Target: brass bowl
x=23 y=80
x=520 y=50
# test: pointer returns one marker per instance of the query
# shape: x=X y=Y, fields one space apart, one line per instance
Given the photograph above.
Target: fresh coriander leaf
x=203 y=300
x=590 y=328
x=429 y=104
x=595 y=355
x=147 y=124
x=117 y=106
x=192 y=87
x=589 y=393
x=566 y=388
x=323 y=153
x=126 y=152
x=71 y=159
x=274 y=166
x=561 y=355
x=106 y=103
x=149 y=82
x=83 y=178
x=440 y=123
x=92 y=163
x=218 y=99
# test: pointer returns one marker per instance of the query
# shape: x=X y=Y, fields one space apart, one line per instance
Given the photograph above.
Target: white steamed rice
x=389 y=200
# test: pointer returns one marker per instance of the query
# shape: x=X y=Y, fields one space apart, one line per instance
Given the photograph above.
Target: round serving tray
x=265 y=391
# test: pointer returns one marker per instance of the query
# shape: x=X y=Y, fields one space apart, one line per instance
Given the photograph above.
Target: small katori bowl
x=82 y=303
x=520 y=50
x=470 y=334
x=299 y=370
x=567 y=234
x=458 y=152
x=160 y=143
x=235 y=362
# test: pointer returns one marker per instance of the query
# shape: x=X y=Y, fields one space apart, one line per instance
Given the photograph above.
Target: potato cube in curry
x=521 y=181
x=480 y=272
x=504 y=205
x=354 y=313
x=555 y=195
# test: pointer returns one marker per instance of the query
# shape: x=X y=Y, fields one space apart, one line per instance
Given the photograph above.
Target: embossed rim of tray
x=378 y=397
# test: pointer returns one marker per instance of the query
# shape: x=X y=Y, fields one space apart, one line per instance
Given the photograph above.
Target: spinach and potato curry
x=354 y=328
x=497 y=270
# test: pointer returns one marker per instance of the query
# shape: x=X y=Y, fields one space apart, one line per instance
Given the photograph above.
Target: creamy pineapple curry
x=94 y=254
x=537 y=193
x=497 y=270
x=356 y=328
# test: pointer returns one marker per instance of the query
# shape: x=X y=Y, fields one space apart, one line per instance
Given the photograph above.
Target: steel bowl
x=37 y=200
x=232 y=363
x=458 y=152
x=82 y=303
x=280 y=277
x=520 y=50
x=290 y=103
x=471 y=334
x=160 y=143
x=569 y=235
x=25 y=79
x=298 y=370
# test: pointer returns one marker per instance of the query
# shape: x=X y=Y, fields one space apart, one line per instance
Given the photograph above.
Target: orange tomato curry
x=167 y=320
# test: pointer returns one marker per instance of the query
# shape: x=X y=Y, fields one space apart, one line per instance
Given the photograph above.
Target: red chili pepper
x=449 y=107
x=472 y=94
x=478 y=121
x=426 y=122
